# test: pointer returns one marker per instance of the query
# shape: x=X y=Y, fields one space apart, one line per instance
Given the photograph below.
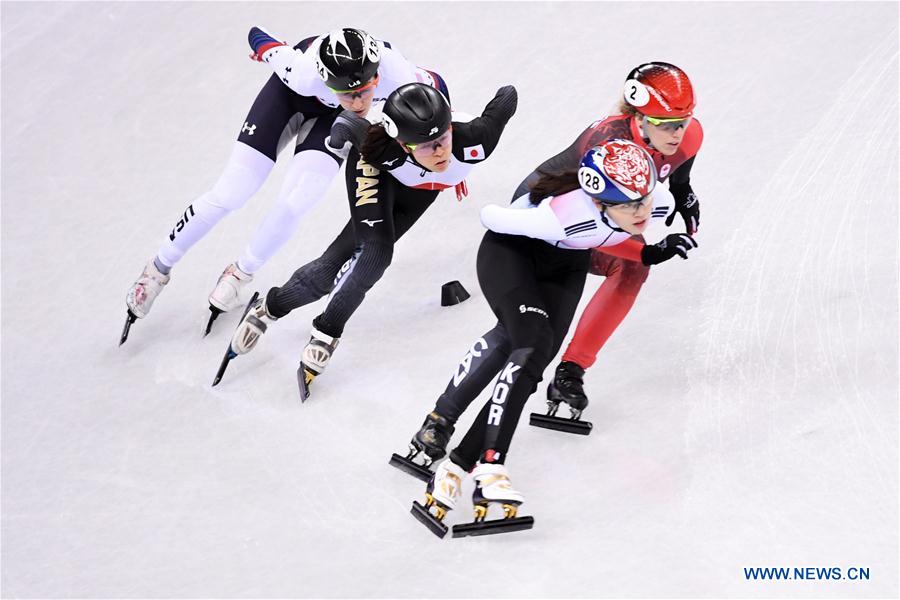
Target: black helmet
x=416 y=113
x=347 y=59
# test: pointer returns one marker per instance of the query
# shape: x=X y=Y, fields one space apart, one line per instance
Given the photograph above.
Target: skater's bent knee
x=632 y=275
x=375 y=256
x=309 y=189
x=236 y=185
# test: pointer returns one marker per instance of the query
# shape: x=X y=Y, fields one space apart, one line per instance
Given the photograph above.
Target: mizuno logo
x=371 y=223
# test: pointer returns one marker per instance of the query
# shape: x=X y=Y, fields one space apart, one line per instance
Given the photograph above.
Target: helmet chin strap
x=644 y=136
x=412 y=157
x=612 y=225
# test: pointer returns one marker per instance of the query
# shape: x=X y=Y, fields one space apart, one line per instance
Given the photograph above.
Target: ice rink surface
x=746 y=412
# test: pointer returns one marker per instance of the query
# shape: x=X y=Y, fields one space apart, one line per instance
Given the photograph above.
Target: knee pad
x=375 y=257
x=540 y=342
x=367 y=266
x=244 y=174
x=310 y=187
x=631 y=276
x=498 y=339
x=310 y=170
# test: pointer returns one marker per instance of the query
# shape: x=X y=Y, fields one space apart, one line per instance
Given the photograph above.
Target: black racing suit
x=380 y=215
x=533 y=289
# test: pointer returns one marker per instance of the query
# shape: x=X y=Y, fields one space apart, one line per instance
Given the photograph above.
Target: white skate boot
x=441 y=494
x=226 y=295
x=145 y=290
x=445 y=487
x=252 y=326
x=315 y=358
x=492 y=486
x=318 y=351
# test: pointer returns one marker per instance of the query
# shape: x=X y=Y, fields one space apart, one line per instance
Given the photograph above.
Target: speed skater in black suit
x=396 y=168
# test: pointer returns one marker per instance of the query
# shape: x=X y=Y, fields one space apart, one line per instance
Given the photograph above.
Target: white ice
x=745 y=413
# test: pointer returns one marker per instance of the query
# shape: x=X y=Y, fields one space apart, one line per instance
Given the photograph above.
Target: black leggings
x=381 y=210
x=533 y=289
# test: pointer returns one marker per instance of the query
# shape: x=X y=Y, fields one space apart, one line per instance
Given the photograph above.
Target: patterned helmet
x=616 y=172
x=347 y=59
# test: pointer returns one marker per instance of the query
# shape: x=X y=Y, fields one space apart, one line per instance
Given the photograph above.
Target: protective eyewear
x=669 y=124
x=426 y=148
x=633 y=206
x=362 y=90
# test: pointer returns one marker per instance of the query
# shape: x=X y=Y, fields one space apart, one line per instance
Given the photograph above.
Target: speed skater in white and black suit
x=312 y=83
x=532 y=265
x=418 y=148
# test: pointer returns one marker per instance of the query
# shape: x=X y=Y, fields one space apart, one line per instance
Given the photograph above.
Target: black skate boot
x=567 y=386
x=431 y=439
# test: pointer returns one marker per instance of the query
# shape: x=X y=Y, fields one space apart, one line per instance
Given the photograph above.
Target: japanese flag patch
x=473 y=152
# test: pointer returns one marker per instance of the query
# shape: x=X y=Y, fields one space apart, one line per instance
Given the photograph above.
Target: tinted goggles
x=426 y=148
x=669 y=124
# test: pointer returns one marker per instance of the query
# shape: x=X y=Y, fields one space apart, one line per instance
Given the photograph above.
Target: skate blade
x=576 y=426
x=230 y=354
x=493 y=526
x=304 y=378
x=215 y=312
x=129 y=319
x=407 y=466
x=428 y=520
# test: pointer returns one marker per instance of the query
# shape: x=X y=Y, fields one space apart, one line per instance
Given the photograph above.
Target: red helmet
x=658 y=89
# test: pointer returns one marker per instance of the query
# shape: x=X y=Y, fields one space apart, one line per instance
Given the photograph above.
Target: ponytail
x=553 y=184
x=376 y=144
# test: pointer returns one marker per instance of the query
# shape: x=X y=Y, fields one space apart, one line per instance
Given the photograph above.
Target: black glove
x=348 y=129
x=505 y=102
x=688 y=206
x=675 y=243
